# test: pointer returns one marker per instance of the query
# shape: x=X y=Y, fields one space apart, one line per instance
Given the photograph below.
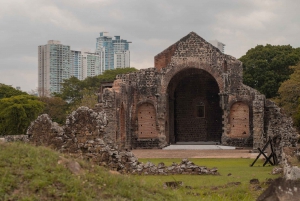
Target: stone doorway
x=194 y=111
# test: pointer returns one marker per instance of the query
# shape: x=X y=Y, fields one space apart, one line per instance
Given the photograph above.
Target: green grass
x=212 y=187
x=33 y=173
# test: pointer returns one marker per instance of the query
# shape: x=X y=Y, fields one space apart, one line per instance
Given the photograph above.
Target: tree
x=89 y=99
x=71 y=90
x=8 y=91
x=17 y=112
x=56 y=107
x=289 y=95
x=74 y=89
x=266 y=67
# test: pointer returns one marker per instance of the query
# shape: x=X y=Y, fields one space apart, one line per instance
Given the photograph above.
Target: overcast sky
x=151 y=25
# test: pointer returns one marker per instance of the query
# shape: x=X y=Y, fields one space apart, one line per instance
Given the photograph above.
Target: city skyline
x=57 y=61
x=151 y=25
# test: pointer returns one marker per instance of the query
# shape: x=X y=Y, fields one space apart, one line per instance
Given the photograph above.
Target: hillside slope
x=39 y=173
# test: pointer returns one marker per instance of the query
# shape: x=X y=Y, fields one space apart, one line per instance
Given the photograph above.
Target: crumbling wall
x=84 y=135
x=279 y=127
x=157 y=86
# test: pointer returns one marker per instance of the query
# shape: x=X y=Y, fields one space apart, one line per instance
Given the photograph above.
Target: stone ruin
x=194 y=93
x=85 y=135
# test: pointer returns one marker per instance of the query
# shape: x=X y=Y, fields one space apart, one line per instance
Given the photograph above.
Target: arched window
x=239 y=120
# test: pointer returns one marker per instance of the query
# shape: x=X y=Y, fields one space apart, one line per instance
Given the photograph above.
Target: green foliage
x=89 y=99
x=289 y=95
x=8 y=91
x=79 y=93
x=110 y=75
x=56 y=108
x=71 y=90
x=266 y=67
x=17 y=112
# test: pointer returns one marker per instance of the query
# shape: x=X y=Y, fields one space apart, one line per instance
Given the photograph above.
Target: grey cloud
x=152 y=26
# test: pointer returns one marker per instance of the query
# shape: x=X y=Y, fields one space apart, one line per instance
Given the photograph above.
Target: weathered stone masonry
x=84 y=135
x=194 y=93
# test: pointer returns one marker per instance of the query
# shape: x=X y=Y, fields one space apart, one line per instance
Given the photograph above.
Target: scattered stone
x=233 y=184
x=73 y=166
x=173 y=184
x=257 y=187
x=254 y=181
x=277 y=170
x=269 y=181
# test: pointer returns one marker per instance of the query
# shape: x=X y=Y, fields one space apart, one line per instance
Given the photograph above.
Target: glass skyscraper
x=114 y=53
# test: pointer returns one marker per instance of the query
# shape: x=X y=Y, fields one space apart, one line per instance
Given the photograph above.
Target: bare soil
x=159 y=153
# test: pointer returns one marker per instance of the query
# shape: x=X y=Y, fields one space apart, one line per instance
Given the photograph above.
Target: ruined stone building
x=194 y=93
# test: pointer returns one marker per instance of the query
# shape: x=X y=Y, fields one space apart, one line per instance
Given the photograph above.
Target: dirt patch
x=159 y=153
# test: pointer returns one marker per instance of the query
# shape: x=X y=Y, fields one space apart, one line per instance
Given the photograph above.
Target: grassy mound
x=34 y=173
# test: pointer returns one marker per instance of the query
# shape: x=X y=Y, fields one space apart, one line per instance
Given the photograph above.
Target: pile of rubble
x=84 y=135
x=126 y=162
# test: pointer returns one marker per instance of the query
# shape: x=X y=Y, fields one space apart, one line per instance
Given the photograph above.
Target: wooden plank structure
x=272 y=155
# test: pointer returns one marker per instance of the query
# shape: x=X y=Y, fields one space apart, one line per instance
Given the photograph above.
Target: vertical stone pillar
x=224 y=104
x=258 y=121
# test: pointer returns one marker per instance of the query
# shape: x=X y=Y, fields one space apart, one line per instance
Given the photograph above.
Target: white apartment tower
x=218 y=45
x=90 y=64
x=121 y=53
x=54 y=65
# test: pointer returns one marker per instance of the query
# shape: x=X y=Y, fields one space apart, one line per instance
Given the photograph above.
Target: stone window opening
x=225 y=66
x=200 y=110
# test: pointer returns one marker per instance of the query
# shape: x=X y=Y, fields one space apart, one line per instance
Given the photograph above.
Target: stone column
x=258 y=121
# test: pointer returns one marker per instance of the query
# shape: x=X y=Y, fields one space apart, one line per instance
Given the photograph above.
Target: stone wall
x=194 y=93
x=84 y=134
x=189 y=76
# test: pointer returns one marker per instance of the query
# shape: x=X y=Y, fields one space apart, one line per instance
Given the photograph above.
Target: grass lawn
x=34 y=173
x=211 y=187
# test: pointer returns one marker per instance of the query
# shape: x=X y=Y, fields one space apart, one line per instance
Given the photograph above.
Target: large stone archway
x=194 y=107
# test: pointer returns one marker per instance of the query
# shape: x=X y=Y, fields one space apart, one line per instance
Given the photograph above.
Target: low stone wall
x=291 y=157
x=14 y=138
x=84 y=135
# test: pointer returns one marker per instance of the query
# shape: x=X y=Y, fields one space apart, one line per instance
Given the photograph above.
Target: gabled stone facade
x=194 y=93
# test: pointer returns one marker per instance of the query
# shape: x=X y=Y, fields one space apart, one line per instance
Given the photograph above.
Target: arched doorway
x=194 y=111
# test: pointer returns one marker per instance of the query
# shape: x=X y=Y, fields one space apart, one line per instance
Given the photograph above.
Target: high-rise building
x=104 y=47
x=113 y=53
x=76 y=64
x=54 y=63
x=90 y=64
x=121 y=53
x=218 y=45
x=57 y=62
